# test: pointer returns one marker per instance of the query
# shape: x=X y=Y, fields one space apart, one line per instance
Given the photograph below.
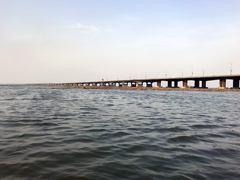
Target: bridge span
x=199 y=82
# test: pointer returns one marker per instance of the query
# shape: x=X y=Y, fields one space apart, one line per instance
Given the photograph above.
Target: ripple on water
x=183 y=139
x=112 y=134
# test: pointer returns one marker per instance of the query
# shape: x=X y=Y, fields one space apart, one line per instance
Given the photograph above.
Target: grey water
x=118 y=134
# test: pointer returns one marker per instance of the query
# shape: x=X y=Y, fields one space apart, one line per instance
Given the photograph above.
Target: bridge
x=171 y=82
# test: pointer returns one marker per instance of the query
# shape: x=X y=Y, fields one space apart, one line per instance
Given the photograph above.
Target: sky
x=44 y=41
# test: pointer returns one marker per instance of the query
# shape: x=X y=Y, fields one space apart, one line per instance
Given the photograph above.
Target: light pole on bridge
x=230 y=68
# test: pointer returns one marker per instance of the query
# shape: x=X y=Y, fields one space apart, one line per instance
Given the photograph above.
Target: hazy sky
x=84 y=40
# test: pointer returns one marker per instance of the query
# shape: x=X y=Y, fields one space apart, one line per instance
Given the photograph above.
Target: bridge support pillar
x=133 y=84
x=140 y=85
x=222 y=83
x=159 y=84
x=175 y=84
x=185 y=84
x=169 y=84
x=196 y=85
x=125 y=84
x=149 y=84
x=204 y=84
x=236 y=83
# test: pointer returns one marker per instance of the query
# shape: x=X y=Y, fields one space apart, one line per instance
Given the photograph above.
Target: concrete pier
x=196 y=85
x=222 y=83
x=140 y=84
x=149 y=84
x=175 y=84
x=169 y=84
x=159 y=84
x=125 y=84
x=134 y=84
x=235 y=83
x=204 y=84
x=185 y=85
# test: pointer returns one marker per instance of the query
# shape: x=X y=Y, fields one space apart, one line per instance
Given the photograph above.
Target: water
x=118 y=134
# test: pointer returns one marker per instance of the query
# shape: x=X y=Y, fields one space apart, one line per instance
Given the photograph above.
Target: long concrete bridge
x=171 y=82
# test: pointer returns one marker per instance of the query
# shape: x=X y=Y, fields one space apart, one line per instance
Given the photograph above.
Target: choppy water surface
x=118 y=134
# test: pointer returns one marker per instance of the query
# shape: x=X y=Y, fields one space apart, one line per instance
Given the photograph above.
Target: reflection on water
x=117 y=134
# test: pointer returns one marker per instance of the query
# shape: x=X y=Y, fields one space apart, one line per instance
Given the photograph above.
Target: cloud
x=86 y=28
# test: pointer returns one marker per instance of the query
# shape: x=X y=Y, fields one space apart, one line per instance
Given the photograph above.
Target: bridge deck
x=139 y=82
x=207 y=78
